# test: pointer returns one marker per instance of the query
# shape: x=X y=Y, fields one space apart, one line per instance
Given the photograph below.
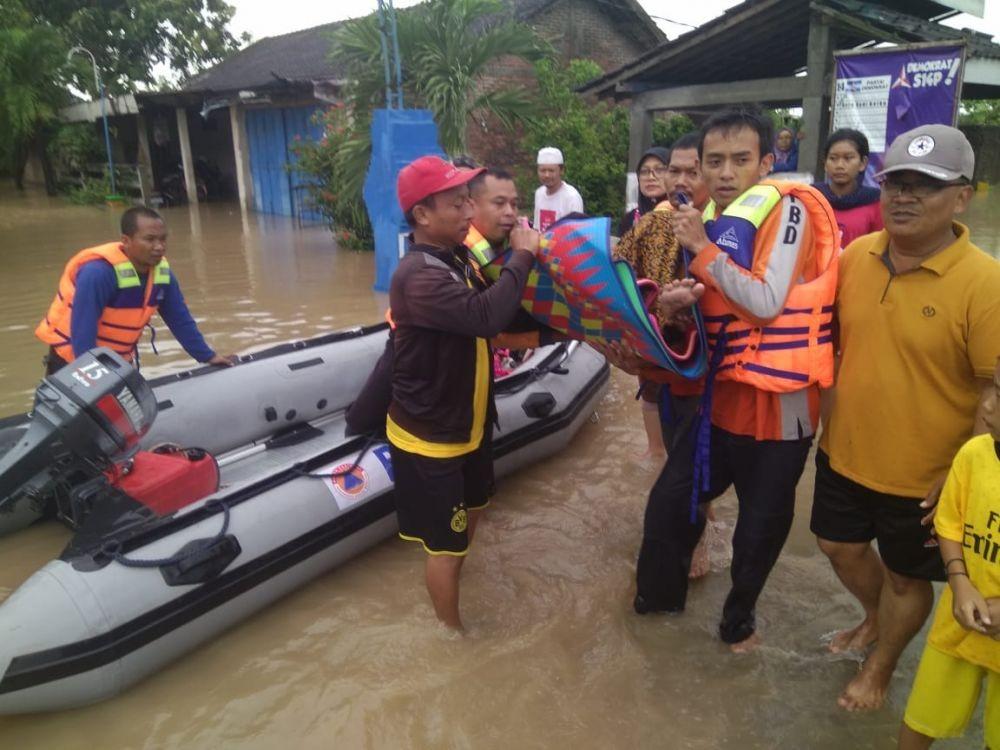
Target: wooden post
x=186 y=159
x=815 y=103
x=241 y=155
x=143 y=158
x=640 y=136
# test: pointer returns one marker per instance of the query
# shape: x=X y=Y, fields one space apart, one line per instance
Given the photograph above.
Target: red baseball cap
x=428 y=175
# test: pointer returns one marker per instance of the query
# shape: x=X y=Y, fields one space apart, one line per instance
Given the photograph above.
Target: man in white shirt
x=555 y=198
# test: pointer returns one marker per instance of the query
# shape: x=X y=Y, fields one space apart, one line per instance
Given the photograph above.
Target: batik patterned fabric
x=577 y=288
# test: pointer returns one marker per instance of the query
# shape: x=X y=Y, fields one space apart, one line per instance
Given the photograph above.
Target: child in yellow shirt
x=963 y=646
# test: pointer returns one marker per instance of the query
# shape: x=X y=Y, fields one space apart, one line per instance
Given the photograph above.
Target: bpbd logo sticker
x=384 y=458
x=349 y=479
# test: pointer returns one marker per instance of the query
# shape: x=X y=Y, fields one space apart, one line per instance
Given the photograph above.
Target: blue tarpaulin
x=398 y=137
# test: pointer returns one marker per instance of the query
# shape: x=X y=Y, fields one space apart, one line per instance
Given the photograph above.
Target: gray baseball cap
x=939 y=151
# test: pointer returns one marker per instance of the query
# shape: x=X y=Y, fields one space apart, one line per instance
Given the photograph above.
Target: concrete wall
x=985 y=140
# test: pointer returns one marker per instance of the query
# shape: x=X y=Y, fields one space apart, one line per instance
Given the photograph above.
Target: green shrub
x=330 y=166
x=666 y=130
x=92 y=190
x=75 y=145
x=594 y=137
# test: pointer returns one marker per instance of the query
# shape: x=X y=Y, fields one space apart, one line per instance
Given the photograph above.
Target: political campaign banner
x=887 y=91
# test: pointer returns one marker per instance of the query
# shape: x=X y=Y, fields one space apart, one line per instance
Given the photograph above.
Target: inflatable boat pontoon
x=140 y=583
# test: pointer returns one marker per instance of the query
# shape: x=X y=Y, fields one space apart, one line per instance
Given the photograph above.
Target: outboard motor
x=88 y=416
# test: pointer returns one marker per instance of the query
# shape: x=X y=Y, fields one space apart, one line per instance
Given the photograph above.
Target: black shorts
x=845 y=511
x=433 y=496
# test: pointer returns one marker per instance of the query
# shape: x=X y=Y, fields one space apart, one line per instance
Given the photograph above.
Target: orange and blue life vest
x=123 y=319
x=791 y=352
x=795 y=350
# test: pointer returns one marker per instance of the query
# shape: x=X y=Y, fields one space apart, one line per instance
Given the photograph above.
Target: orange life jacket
x=481 y=252
x=796 y=349
x=122 y=321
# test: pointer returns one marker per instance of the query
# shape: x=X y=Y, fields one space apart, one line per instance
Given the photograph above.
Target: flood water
x=554 y=657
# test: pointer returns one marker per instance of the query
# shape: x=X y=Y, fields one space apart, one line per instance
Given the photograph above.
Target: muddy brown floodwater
x=554 y=657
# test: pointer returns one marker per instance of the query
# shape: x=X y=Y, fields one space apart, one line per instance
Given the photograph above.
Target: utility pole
x=390 y=54
x=104 y=115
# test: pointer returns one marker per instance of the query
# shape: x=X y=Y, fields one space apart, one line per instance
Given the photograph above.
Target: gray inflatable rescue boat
x=284 y=494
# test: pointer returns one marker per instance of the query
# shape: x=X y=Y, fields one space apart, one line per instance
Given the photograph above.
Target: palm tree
x=446 y=48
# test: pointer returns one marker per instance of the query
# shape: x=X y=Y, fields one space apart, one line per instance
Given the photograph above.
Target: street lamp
x=104 y=115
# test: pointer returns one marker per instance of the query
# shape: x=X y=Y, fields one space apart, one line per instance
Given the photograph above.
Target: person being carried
x=108 y=293
x=918 y=314
x=669 y=403
x=555 y=198
x=856 y=206
x=963 y=645
x=765 y=254
x=441 y=409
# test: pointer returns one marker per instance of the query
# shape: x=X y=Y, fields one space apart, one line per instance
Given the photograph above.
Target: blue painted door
x=271 y=134
x=299 y=125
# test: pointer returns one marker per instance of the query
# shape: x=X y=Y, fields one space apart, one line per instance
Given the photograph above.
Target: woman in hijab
x=651 y=171
x=648 y=244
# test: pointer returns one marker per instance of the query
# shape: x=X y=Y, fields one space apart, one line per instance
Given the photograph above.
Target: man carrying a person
x=918 y=310
x=764 y=256
x=108 y=293
x=441 y=410
x=495 y=215
x=555 y=198
x=684 y=173
x=651 y=248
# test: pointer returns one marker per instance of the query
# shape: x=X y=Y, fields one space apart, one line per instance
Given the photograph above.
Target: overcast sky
x=266 y=17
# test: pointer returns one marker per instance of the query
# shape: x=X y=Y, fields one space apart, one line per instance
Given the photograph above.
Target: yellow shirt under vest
x=969 y=513
x=915 y=351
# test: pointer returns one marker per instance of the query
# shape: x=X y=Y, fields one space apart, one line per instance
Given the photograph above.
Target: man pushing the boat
x=107 y=295
x=441 y=412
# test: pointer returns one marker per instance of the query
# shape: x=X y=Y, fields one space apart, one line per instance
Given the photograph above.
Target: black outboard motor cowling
x=88 y=415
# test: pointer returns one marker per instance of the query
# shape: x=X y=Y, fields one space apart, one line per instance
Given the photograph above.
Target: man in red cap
x=441 y=412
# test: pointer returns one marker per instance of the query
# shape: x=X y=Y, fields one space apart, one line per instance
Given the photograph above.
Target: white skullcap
x=550 y=155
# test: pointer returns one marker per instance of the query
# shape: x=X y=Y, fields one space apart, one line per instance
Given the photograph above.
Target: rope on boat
x=372 y=440
x=113 y=549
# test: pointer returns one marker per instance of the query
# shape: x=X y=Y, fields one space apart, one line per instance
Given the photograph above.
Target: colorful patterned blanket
x=579 y=289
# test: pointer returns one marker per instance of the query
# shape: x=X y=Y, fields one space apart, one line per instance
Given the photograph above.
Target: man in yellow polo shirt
x=919 y=313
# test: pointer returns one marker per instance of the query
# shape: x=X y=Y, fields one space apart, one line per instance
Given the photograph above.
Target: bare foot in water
x=858 y=638
x=700 y=562
x=746 y=646
x=676 y=297
x=866 y=692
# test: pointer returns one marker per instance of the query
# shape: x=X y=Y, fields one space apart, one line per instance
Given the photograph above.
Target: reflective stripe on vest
x=479 y=247
x=796 y=349
x=481 y=253
x=119 y=327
